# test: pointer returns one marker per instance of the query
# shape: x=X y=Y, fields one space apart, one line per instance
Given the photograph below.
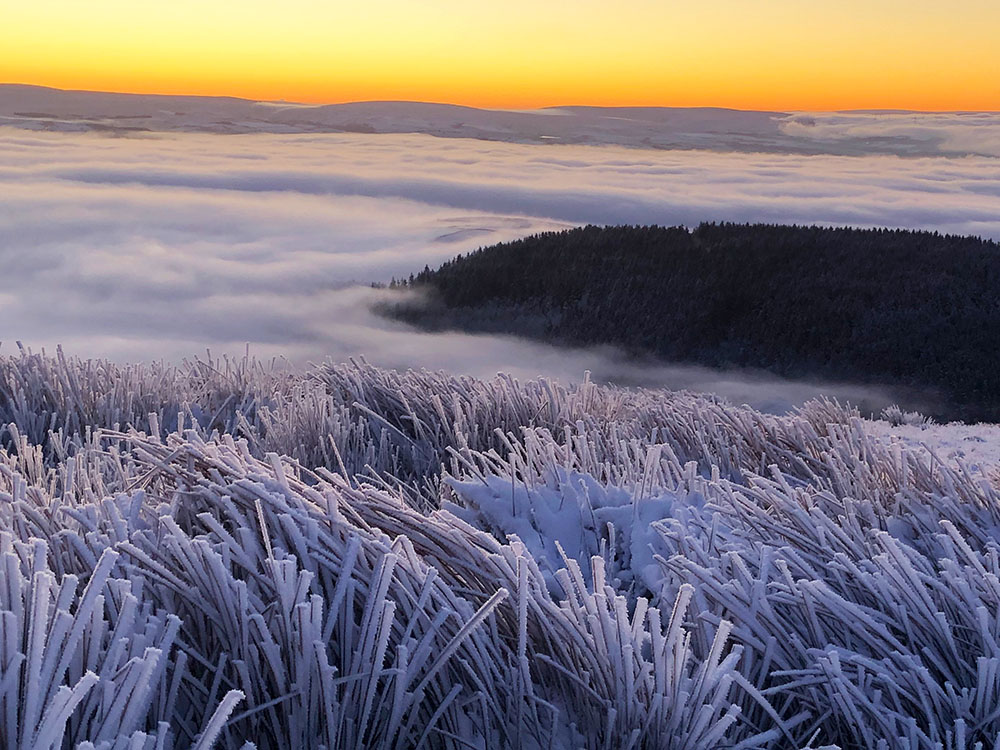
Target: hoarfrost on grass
x=229 y=556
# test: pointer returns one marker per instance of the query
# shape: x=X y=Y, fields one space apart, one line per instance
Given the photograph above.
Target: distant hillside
x=39 y=108
x=703 y=128
x=889 y=306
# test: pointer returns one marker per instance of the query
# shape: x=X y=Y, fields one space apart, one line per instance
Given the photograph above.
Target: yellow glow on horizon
x=750 y=54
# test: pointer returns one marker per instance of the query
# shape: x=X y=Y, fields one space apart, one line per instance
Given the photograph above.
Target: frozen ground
x=230 y=556
x=978 y=446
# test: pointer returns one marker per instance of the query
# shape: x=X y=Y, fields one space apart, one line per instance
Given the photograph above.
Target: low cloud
x=339 y=325
x=161 y=246
x=906 y=133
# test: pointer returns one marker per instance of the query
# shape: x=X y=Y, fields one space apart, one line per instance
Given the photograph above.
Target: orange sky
x=752 y=54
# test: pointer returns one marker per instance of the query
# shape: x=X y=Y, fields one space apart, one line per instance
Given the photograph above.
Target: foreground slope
x=226 y=556
x=876 y=306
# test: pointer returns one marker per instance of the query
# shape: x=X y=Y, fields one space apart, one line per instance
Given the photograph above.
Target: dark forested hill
x=891 y=306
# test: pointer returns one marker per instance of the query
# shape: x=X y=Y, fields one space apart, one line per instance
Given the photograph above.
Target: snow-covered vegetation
x=226 y=555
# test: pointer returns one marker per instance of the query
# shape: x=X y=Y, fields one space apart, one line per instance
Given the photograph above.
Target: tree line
x=894 y=306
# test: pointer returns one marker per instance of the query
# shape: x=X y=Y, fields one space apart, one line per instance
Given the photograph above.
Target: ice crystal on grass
x=231 y=556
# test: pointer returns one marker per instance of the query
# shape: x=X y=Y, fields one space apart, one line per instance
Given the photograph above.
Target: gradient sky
x=753 y=54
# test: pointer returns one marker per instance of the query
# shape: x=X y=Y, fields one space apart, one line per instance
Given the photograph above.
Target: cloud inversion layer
x=160 y=246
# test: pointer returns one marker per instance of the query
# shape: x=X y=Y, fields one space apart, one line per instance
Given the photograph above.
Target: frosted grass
x=233 y=555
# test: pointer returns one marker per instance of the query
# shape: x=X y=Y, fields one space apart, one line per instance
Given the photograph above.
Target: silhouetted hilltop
x=909 y=308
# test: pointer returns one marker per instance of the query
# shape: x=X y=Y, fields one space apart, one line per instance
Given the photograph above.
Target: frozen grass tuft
x=235 y=556
x=895 y=416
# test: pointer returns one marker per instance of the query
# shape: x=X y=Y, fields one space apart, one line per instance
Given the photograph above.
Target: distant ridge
x=703 y=128
x=39 y=107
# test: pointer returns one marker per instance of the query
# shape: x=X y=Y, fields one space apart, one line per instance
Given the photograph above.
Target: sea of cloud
x=923 y=133
x=160 y=246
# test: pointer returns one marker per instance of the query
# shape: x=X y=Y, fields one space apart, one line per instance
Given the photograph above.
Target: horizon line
x=290 y=102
